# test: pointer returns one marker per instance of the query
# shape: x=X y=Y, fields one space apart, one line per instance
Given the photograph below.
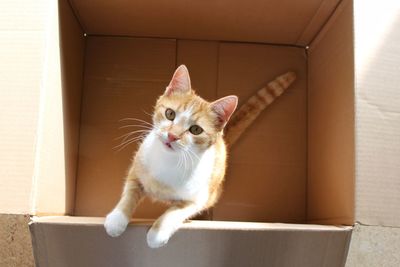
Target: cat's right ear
x=224 y=108
x=180 y=82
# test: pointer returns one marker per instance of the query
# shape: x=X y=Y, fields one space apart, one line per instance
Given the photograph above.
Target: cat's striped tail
x=250 y=110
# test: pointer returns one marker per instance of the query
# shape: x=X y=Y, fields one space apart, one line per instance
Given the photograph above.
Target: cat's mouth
x=167 y=144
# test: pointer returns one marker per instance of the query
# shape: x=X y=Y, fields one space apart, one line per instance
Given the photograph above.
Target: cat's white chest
x=187 y=175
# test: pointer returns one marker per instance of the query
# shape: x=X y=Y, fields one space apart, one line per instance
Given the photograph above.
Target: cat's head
x=183 y=120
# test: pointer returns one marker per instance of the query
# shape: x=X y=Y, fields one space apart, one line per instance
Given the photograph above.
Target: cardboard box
x=310 y=159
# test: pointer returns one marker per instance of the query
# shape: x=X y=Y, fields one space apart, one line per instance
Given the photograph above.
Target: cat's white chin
x=116 y=223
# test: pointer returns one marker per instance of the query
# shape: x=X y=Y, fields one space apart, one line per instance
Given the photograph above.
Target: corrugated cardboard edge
x=82 y=241
x=214 y=225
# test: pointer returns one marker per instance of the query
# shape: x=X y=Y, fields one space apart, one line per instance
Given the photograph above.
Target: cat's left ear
x=180 y=83
x=224 y=108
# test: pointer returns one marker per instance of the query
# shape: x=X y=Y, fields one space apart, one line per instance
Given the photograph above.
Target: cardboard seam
x=307 y=132
x=307 y=27
x=376 y=225
x=211 y=210
x=194 y=40
x=80 y=124
x=356 y=123
x=355 y=86
x=176 y=52
x=218 y=63
x=76 y=14
x=326 y=25
x=383 y=113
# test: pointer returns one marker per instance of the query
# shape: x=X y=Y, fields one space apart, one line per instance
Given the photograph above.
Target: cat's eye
x=170 y=114
x=195 y=129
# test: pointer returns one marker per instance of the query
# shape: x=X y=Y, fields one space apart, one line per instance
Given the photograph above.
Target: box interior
x=294 y=165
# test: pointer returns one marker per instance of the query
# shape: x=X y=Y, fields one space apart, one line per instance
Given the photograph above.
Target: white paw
x=157 y=238
x=116 y=223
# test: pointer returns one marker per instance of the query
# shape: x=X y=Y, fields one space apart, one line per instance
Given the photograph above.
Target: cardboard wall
x=331 y=144
x=266 y=178
x=287 y=22
x=72 y=45
x=124 y=76
x=83 y=242
x=56 y=148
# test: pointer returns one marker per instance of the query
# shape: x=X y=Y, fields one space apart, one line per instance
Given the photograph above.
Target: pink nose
x=172 y=137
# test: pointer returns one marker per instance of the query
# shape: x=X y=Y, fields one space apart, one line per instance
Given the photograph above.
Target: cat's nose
x=172 y=137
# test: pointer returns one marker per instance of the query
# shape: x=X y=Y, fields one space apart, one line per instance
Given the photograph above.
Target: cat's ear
x=224 y=108
x=180 y=83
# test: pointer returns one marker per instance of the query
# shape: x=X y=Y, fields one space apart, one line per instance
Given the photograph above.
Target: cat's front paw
x=157 y=238
x=116 y=223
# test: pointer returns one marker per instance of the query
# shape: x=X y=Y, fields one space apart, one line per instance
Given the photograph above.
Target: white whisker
x=130 y=141
x=136 y=125
x=191 y=160
x=144 y=133
x=194 y=154
x=184 y=169
x=145 y=112
x=130 y=133
x=135 y=119
x=180 y=160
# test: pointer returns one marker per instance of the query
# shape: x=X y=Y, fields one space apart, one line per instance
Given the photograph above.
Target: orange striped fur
x=250 y=110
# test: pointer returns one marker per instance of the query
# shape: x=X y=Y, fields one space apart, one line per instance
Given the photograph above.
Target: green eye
x=170 y=114
x=195 y=129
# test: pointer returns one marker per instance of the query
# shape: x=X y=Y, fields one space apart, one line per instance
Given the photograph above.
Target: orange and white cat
x=182 y=160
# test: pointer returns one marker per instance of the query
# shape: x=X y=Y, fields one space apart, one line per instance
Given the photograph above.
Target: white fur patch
x=157 y=238
x=116 y=223
x=188 y=175
x=169 y=223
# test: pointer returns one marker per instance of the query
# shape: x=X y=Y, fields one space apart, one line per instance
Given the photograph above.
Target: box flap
x=66 y=241
x=377 y=61
x=22 y=50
